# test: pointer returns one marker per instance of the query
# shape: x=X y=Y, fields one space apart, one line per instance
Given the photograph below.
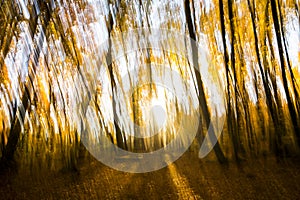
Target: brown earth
x=187 y=178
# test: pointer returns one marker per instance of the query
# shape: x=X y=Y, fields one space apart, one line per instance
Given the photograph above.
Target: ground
x=187 y=178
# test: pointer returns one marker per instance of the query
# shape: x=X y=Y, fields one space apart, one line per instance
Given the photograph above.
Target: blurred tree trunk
x=283 y=65
x=121 y=142
x=202 y=99
x=20 y=110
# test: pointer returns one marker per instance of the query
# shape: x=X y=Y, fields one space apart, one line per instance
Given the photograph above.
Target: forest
x=122 y=81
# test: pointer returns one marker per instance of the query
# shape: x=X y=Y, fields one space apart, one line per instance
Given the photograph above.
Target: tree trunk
x=202 y=100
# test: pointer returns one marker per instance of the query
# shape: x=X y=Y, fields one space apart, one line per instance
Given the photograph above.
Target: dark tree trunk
x=120 y=139
x=290 y=103
x=202 y=100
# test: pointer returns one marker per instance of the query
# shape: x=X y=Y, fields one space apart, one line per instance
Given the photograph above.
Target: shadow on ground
x=187 y=178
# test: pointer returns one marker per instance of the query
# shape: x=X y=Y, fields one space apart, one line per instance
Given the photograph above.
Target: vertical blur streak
x=57 y=75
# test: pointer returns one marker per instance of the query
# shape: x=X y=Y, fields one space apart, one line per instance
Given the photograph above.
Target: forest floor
x=187 y=178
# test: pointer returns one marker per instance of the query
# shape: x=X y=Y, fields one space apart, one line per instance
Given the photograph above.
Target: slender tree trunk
x=202 y=100
x=120 y=139
x=292 y=110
